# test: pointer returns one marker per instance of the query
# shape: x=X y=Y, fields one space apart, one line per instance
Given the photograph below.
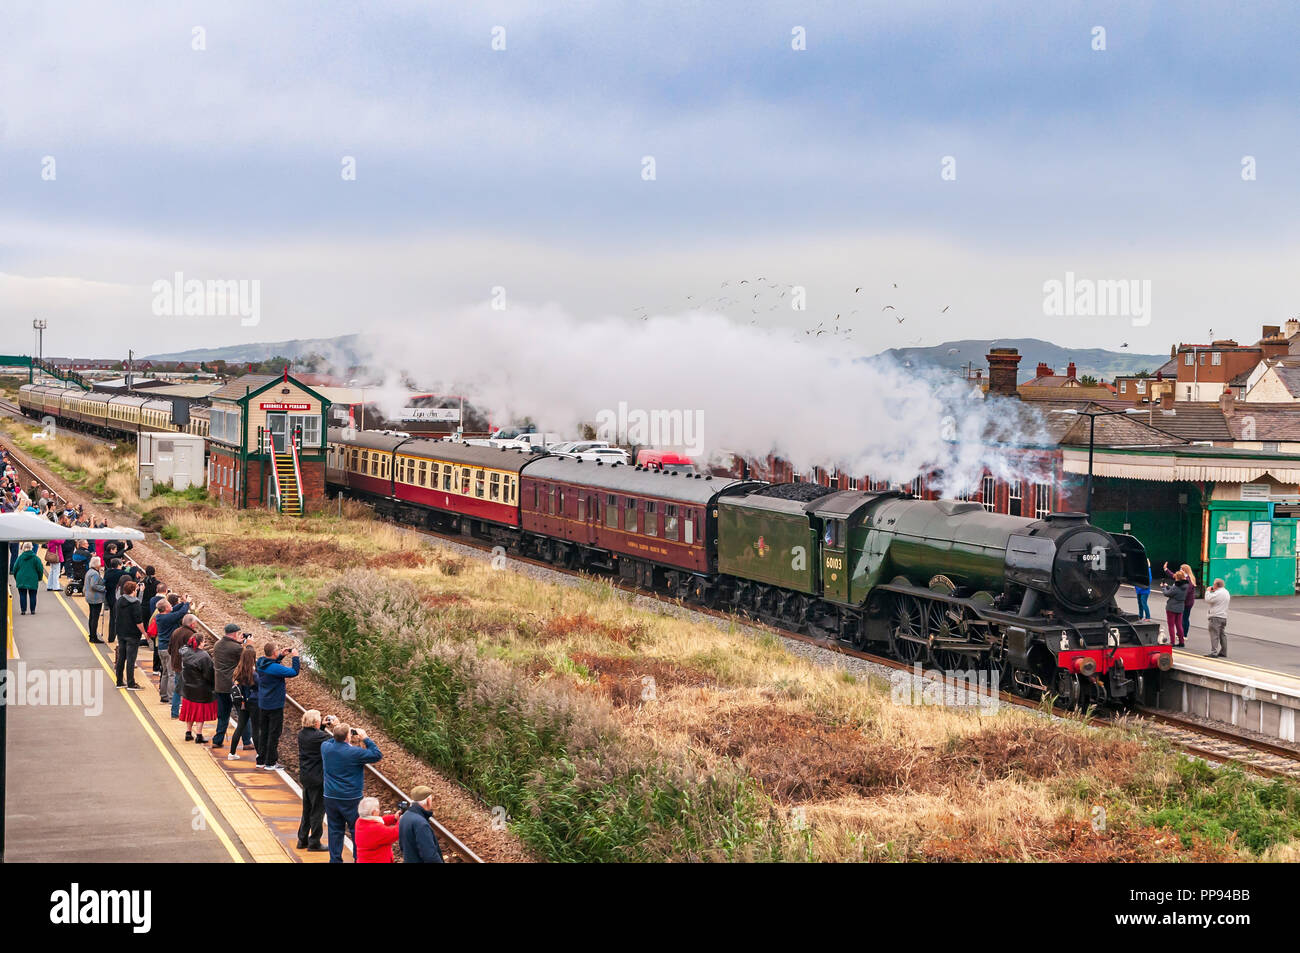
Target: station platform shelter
x=267 y=443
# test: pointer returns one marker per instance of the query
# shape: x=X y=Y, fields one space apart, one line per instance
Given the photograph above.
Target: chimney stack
x=1228 y=402
x=1167 y=400
x=1070 y=371
x=1292 y=327
x=1043 y=370
x=1003 y=362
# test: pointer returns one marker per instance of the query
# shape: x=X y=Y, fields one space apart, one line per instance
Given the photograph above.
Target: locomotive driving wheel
x=909 y=623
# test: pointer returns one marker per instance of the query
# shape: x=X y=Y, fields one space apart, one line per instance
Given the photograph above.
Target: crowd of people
x=215 y=681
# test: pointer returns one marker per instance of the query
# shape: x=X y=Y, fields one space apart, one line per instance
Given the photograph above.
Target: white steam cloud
x=753 y=390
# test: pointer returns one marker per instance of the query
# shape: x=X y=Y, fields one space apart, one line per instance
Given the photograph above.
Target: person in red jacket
x=375 y=833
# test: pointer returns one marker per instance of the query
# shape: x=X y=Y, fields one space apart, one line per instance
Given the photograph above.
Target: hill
x=1100 y=363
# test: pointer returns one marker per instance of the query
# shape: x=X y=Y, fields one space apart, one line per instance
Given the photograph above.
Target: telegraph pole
x=40 y=325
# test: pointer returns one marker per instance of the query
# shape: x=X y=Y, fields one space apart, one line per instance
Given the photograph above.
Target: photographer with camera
x=344 y=758
x=312 y=778
x=414 y=832
x=271 y=675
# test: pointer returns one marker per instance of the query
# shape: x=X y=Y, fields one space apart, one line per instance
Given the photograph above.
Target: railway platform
x=101 y=774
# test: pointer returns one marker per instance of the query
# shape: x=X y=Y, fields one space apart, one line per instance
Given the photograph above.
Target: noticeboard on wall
x=1261 y=540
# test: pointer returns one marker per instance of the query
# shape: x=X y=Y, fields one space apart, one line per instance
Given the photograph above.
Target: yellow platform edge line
x=246 y=823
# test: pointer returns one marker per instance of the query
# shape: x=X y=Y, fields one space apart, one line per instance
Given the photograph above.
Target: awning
x=28 y=527
x=1167 y=468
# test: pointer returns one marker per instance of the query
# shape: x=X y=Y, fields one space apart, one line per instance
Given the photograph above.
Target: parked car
x=606 y=455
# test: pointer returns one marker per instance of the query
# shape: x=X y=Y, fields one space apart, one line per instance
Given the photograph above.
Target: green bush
x=575 y=787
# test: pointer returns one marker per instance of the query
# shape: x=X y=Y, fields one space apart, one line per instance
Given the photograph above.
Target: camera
x=403 y=806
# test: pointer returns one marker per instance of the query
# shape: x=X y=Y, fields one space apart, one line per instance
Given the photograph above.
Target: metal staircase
x=288 y=480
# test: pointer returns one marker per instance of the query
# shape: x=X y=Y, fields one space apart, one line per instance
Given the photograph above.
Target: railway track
x=454 y=849
x=1195 y=740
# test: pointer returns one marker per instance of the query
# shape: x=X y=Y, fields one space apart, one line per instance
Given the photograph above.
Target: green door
x=835 y=564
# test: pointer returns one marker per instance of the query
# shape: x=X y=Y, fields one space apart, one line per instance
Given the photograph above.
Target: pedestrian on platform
x=177 y=640
x=28 y=571
x=112 y=580
x=312 y=778
x=415 y=833
x=95 y=589
x=344 y=758
x=198 y=707
x=1175 y=605
x=271 y=673
x=375 y=833
x=149 y=586
x=1217 y=598
x=225 y=656
x=1190 y=579
x=54 y=564
x=1144 y=593
x=243 y=701
x=130 y=632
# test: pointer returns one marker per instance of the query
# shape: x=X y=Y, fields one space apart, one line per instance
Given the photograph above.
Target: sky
x=934 y=162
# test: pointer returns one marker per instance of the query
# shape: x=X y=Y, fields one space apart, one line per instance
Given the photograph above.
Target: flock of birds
x=762 y=296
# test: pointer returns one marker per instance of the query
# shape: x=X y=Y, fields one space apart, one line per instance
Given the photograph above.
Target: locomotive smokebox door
x=835 y=575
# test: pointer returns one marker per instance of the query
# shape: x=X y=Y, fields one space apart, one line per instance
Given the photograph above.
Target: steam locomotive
x=934 y=582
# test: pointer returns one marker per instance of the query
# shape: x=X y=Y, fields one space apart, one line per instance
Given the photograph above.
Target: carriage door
x=277 y=425
x=835 y=568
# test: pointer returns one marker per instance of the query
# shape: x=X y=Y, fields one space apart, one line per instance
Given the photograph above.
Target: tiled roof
x=242 y=385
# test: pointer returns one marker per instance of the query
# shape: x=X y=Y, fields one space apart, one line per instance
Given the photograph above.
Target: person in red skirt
x=198 y=681
x=375 y=833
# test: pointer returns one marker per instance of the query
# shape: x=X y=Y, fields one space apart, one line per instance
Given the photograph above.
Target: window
x=688 y=528
x=1141 y=386
x=510 y=489
x=833 y=534
x=1216 y=358
x=1189 y=359
x=629 y=521
x=446 y=480
x=582 y=508
x=464 y=480
x=537 y=497
x=365 y=461
x=670 y=522
x=1015 y=496
x=494 y=487
x=611 y=511
x=424 y=473
x=478 y=484
x=651 y=519
x=1123 y=387
x=559 y=507
x=1202 y=358
x=988 y=493
x=1042 y=500
x=310 y=424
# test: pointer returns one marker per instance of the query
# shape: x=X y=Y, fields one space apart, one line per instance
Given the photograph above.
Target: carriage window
x=670 y=522
x=611 y=511
x=478 y=484
x=365 y=461
x=629 y=521
x=446 y=477
x=424 y=472
x=464 y=480
x=510 y=489
x=494 y=487
x=550 y=501
x=582 y=508
x=688 y=528
x=833 y=535
x=536 y=498
x=651 y=519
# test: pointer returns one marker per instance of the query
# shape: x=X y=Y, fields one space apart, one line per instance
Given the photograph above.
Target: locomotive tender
x=940 y=582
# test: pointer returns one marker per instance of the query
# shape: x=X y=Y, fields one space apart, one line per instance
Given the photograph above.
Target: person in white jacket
x=1217 y=598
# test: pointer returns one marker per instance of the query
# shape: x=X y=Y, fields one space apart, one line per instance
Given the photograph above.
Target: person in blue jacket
x=1143 y=593
x=271 y=673
x=414 y=832
x=343 y=759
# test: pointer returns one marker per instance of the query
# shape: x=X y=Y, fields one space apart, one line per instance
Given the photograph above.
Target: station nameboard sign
x=430 y=413
x=284 y=406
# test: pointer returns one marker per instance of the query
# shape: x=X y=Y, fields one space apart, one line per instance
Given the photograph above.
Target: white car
x=607 y=455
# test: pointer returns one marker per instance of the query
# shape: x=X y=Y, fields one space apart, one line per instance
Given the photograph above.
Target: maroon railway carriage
x=435 y=483
x=656 y=529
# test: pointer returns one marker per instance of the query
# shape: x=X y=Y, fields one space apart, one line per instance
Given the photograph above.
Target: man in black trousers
x=311 y=776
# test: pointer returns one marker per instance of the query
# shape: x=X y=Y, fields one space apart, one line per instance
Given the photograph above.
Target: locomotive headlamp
x=1065 y=642
x=1162 y=638
x=1112 y=638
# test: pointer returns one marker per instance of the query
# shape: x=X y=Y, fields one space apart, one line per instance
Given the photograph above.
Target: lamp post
x=1092 y=416
x=39 y=326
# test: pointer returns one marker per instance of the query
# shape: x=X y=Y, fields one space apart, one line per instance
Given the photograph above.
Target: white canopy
x=28 y=527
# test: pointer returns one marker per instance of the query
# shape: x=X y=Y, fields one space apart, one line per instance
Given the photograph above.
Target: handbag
x=50 y=558
x=152 y=631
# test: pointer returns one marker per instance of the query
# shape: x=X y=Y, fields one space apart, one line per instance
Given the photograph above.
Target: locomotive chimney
x=1003 y=362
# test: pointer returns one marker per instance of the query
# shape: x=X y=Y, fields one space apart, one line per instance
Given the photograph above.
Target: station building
x=267 y=443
